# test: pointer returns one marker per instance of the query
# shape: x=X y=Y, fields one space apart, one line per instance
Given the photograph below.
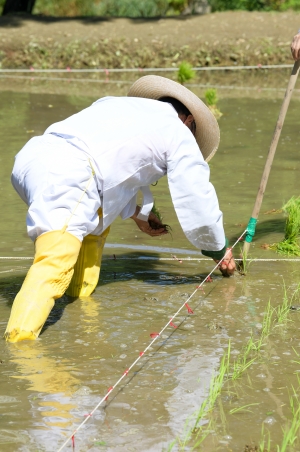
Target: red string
x=154 y=335
x=209 y=279
x=73 y=441
x=87 y=415
x=201 y=288
x=172 y=324
x=141 y=353
x=176 y=258
x=126 y=372
x=190 y=311
x=108 y=392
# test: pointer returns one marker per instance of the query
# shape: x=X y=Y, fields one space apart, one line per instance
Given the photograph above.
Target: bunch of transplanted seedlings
x=211 y=99
x=185 y=72
x=158 y=215
x=290 y=244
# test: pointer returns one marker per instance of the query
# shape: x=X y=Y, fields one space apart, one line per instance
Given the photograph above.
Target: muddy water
x=48 y=386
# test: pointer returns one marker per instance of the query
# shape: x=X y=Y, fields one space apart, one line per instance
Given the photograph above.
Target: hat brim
x=207 y=128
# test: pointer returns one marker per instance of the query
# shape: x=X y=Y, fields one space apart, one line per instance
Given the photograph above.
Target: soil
x=235 y=37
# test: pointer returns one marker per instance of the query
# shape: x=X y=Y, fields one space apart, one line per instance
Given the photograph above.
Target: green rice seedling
x=290 y=245
x=215 y=388
x=282 y=311
x=267 y=322
x=291 y=431
x=242 y=408
x=239 y=367
x=217 y=381
x=185 y=72
x=243 y=362
x=201 y=435
x=264 y=445
x=154 y=225
x=292 y=225
x=244 y=264
x=211 y=99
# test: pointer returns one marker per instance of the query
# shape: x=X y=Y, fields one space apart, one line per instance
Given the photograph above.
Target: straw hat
x=207 y=129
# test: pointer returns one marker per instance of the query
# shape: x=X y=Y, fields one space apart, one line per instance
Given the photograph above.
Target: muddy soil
x=223 y=38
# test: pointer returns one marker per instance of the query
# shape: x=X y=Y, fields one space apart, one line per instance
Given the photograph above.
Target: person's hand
x=227 y=266
x=295 y=47
x=152 y=227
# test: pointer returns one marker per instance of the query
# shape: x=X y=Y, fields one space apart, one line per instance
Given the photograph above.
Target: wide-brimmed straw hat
x=207 y=129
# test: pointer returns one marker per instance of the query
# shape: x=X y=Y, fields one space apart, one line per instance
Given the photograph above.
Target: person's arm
x=295 y=46
x=196 y=202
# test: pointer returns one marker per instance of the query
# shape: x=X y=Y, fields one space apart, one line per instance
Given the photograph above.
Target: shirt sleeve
x=129 y=209
x=194 y=197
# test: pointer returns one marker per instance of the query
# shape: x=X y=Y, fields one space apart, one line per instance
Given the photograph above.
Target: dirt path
x=216 y=39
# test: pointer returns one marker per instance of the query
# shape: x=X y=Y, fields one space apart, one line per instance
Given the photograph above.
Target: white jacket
x=133 y=142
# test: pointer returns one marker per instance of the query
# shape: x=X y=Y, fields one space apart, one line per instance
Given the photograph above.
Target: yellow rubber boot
x=87 y=268
x=56 y=253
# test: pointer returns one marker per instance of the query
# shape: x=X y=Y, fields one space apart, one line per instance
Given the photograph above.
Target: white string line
x=153 y=69
x=148 y=346
x=106 y=81
x=151 y=258
x=33 y=77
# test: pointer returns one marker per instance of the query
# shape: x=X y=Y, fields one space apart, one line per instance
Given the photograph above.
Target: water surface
x=48 y=386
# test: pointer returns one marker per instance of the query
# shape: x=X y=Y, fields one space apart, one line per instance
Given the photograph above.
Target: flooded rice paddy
x=49 y=386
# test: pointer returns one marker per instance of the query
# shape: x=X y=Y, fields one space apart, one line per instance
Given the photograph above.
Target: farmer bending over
x=86 y=170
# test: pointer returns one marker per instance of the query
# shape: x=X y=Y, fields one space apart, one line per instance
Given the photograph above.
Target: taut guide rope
x=149 y=69
x=154 y=336
x=151 y=258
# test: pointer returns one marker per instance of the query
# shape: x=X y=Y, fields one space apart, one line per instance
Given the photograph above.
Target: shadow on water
x=122 y=268
x=267 y=227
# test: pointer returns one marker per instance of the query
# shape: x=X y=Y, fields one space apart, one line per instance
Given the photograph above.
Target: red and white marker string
x=154 y=336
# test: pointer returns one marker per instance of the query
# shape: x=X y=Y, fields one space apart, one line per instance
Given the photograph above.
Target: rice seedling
x=290 y=244
x=215 y=388
x=250 y=353
x=154 y=225
x=290 y=432
x=244 y=264
x=242 y=408
x=211 y=99
x=282 y=311
x=265 y=444
x=185 y=72
x=240 y=365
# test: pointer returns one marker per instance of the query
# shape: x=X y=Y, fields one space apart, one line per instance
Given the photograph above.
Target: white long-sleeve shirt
x=133 y=142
